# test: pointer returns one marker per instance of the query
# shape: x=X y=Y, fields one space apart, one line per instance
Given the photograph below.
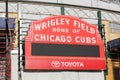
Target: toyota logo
x=55 y=64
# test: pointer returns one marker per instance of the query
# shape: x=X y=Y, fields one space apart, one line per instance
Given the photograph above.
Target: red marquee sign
x=64 y=43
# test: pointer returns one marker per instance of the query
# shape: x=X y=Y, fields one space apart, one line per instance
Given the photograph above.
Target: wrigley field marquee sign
x=63 y=43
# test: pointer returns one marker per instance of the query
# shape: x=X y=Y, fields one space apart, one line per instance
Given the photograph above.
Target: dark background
x=40 y=49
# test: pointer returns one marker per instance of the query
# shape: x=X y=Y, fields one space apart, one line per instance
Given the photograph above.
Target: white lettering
x=52 y=23
x=37 y=27
x=52 y=38
x=67 y=21
x=88 y=40
x=36 y=37
x=79 y=39
x=93 y=40
x=84 y=27
x=72 y=64
x=42 y=37
x=61 y=30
